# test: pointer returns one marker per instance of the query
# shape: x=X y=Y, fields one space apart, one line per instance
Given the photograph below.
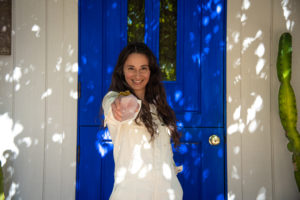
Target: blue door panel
x=89 y=165
x=151 y=37
x=90 y=56
x=213 y=60
x=197 y=94
x=107 y=170
x=201 y=162
x=102 y=36
x=190 y=178
x=114 y=37
x=96 y=165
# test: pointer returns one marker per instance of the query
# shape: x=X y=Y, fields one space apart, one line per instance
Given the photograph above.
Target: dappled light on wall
x=250 y=47
x=286 y=6
x=31 y=132
x=9 y=131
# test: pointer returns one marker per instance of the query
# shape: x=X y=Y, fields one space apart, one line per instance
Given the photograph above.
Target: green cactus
x=1 y=184
x=287 y=101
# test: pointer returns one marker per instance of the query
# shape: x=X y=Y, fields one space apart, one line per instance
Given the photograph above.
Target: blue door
x=196 y=92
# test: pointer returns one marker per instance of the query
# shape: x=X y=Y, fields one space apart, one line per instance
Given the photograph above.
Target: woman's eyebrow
x=144 y=65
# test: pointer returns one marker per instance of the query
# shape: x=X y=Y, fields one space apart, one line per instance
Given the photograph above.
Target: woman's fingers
x=115 y=106
x=117 y=103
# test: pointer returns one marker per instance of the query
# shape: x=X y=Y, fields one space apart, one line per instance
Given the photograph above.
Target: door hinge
x=79 y=89
x=78 y=154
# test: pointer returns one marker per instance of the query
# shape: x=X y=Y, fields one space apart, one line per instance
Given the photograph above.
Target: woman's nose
x=138 y=73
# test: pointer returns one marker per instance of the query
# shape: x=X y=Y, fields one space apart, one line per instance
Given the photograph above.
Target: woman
x=144 y=165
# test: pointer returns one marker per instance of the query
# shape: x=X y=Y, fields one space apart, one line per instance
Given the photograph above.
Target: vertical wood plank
x=54 y=136
x=29 y=101
x=255 y=92
x=70 y=53
x=233 y=107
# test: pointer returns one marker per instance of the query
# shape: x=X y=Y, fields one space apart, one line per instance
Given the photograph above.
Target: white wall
x=288 y=12
x=38 y=102
x=259 y=164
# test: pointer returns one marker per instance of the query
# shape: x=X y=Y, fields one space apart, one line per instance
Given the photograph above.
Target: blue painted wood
x=197 y=95
x=203 y=172
x=96 y=165
x=114 y=37
x=151 y=37
x=90 y=60
x=102 y=34
x=201 y=61
x=90 y=162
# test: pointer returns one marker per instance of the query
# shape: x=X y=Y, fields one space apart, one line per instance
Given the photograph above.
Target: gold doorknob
x=214 y=140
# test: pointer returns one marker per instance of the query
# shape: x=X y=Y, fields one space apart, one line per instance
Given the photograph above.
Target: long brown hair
x=155 y=92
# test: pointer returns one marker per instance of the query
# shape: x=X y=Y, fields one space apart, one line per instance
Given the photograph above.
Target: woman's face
x=137 y=73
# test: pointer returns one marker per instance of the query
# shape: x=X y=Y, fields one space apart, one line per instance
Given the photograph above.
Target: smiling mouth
x=137 y=82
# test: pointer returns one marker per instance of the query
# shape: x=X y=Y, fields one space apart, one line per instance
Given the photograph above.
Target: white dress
x=143 y=170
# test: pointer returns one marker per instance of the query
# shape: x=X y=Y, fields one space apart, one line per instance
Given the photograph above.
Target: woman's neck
x=140 y=94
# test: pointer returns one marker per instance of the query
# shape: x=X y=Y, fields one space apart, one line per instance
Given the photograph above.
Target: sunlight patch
x=9 y=131
x=286 y=13
x=106 y=135
x=236 y=37
x=231 y=196
x=70 y=50
x=17 y=87
x=252 y=127
x=146 y=145
x=171 y=194
x=58 y=137
x=243 y=18
x=246 y=4
x=137 y=161
x=145 y=171
x=236 y=127
x=248 y=40
x=260 y=65
x=12 y=190
x=260 y=51
x=261 y=194
x=255 y=107
x=178 y=95
x=236 y=150
x=35 y=28
x=74 y=94
x=237 y=113
x=234 y=173
x=58 y=64
x=232 y=128
x=17 y=74
x=219 y=8
x=71 y=67
x=166 y=171
x=120 y=175
x=47 y=93
x=26 y=140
